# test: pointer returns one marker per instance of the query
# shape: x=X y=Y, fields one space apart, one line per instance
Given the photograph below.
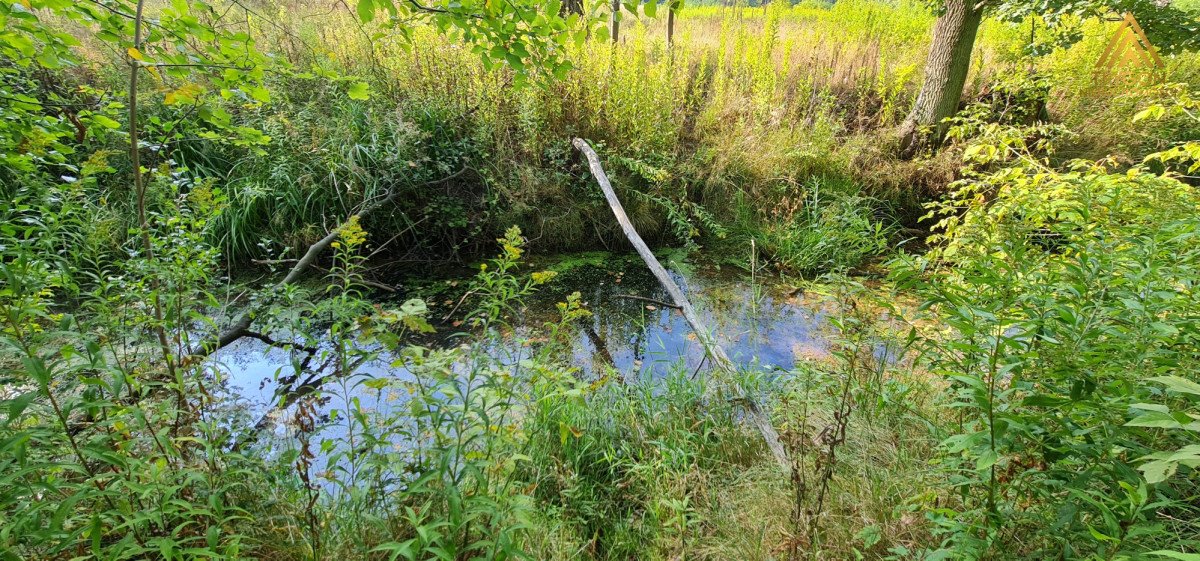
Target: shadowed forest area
x=554 y=279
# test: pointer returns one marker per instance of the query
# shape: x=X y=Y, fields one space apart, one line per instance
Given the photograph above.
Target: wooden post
x=715 y=353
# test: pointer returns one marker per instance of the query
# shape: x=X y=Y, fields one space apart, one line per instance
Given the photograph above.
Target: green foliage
x=613 y=466
x=1182 y=104
x=1068 y=301
x=105 y=454
x=820 y=228
x=1063 y=292
x=498 y=288
x=528 y=37
x=1168 y=26
x=1160 y=466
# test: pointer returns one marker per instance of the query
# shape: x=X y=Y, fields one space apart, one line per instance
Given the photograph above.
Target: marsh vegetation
x=337 y=280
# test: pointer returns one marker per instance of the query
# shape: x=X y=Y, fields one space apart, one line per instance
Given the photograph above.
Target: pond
x=764 y=325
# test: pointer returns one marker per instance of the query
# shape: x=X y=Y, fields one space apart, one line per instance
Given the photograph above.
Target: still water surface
x=760 y=326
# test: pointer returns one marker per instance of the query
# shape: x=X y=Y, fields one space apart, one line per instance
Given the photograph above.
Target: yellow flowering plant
x=498 y=286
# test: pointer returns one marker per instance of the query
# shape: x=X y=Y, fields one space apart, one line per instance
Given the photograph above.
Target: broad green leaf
x=366 y=10
x=259 y=94
x=1158 y=471
x=986 y=460
x=105 y=122
x=1177 y=555
x=1152 y=112
x=359 y=91
x=1155 y=419
x=1178 y=384
x=17 y=405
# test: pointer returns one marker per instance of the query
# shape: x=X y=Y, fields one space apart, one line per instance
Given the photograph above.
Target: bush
x=1069 y=299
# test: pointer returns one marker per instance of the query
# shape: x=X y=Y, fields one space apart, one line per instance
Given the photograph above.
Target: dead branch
x=241 y=326
x=649 y=300
x=714 y=351
x=362 y=281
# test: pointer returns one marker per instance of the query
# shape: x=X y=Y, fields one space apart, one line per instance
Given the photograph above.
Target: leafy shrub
x=1070 y=294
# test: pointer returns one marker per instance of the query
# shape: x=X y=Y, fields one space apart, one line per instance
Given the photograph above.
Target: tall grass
x=749 y=103
x=749 y=100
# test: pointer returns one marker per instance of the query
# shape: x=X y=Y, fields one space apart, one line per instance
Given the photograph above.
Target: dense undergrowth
x=750 y=127
x=1026 y=389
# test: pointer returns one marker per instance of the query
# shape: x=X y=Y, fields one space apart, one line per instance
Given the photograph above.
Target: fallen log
x=715 y=353
x=241 y=325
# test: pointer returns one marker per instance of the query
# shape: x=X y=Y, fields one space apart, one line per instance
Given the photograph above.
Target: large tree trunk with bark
x=945 y=76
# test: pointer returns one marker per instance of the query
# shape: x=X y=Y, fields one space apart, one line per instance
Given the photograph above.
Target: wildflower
x=352 y=234
x=543 y=277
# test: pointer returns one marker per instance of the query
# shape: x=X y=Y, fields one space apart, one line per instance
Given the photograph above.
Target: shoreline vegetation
x=1010 y=293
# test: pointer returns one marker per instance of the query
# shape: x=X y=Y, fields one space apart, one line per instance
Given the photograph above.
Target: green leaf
x=17 y=405
x=1152 y=112
x=1158 y=471
x=1154 y=419
x=49 y=59
x=366 y=10
x=1101 y=536
x=1044 y=401
x=105 y=122
x=1178 y=384
x=986 y=460
x=259 y=94
x=1177 y=555
x=359 y=91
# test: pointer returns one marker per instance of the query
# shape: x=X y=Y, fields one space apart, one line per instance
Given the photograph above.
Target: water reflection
x=766 y=326
x=761 y=327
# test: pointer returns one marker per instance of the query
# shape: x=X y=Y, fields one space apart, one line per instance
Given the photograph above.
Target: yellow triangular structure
x=1129 y=56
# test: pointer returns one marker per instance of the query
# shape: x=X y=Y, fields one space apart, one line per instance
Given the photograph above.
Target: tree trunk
x=616 y=20
x=945 y=75
x=670 y=23
x=571 y=7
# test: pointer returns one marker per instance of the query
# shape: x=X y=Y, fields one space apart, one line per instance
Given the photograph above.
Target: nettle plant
x=1068 y=300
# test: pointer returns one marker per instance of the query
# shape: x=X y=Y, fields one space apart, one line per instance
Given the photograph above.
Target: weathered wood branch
x=716 y=354
x=362 y=281
x=241 y=326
